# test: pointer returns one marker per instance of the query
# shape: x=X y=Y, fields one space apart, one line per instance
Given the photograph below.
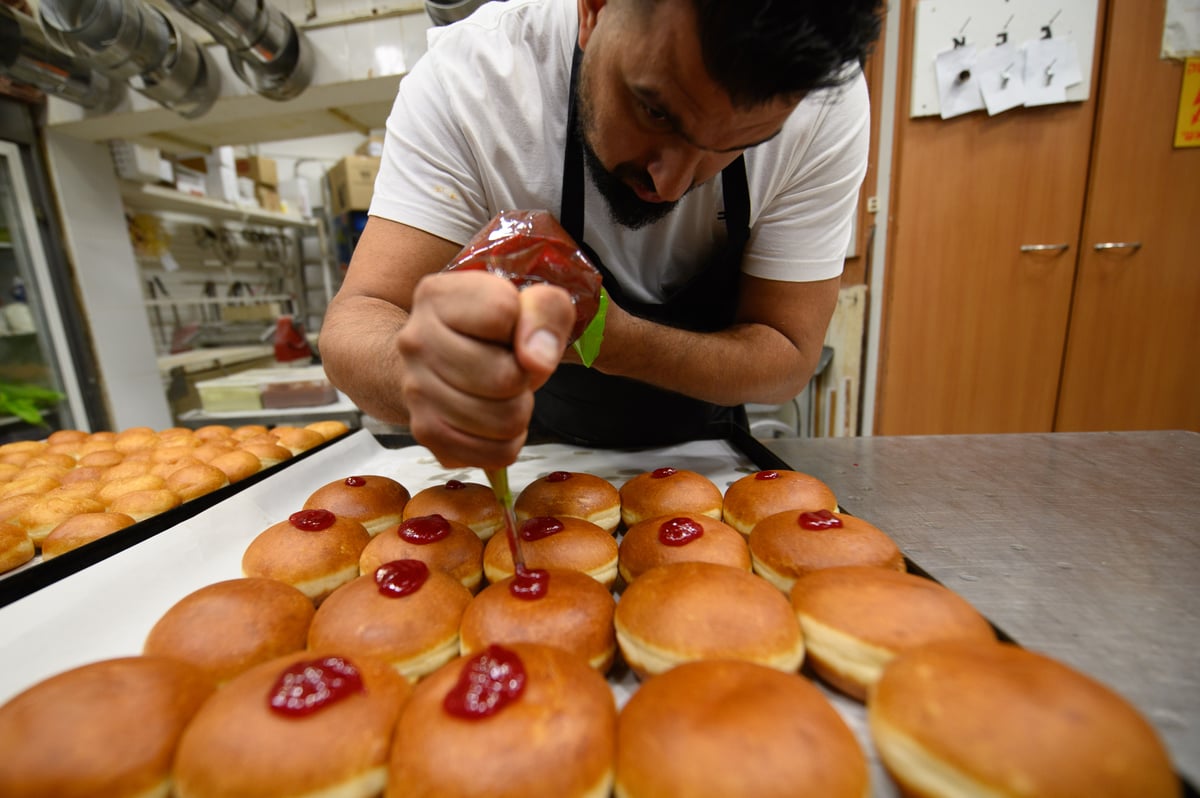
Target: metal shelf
x=160 y=198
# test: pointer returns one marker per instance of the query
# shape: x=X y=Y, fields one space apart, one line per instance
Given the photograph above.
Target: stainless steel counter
x=1082 y=546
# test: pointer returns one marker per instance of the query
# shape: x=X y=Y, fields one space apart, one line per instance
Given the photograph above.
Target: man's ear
x=589 y=12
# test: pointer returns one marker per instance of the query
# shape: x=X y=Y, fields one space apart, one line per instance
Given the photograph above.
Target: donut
x=468 y=503
x=669 y=491
x=135 y=439
x=756 y=496
x=329 y=429
x=66 y=436
x=790 y=544
x=297 y=439
x=129 y=468
x=43 y=515
x=307 y=723
x=246 y=431
x=143 y=504
x=697 y=610
x=81 y=529
x=104 y=458
x=543 y=724
x=23 y=485
x=198 y=479
x=50 y=458
x=97 y=443
x=8 y=472
x=968 y=718
x=571 y=611
x=313 y=550
x=402 y=613
x=374 y=501
x=13 y=506
x=680 y=538
x=562 y=542
x=165 y=470
x=720 y=728
x=106 y=728
x=571 y=493
x=27 y=448
x=214 y=432
x=16 y=548
x=208 y=451
x=78 y=489
x=268 y=452
x=228 y=627
x=856 y=619
x=237 y=464
x=443 y=545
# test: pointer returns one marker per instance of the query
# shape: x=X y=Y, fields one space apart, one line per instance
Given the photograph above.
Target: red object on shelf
x=290 y=342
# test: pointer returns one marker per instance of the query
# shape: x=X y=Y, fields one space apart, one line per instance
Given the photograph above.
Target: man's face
x=654 y=124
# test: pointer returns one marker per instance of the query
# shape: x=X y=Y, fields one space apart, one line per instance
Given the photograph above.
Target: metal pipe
x=26 y=56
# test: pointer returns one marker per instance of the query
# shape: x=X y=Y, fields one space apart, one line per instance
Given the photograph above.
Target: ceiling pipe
x=132 y=41
x=265 y=49
x=27 y=57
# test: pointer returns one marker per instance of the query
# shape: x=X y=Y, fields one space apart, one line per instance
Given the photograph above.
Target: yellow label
x=1187 y=126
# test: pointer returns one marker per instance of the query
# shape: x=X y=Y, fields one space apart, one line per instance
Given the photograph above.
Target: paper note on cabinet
x=958 y=86
x=1001 y=73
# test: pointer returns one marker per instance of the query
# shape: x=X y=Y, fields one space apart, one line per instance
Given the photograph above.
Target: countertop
x=1082 y=546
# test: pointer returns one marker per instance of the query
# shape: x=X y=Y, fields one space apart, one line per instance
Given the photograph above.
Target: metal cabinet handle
x=1045 y=247
x=1130 y=245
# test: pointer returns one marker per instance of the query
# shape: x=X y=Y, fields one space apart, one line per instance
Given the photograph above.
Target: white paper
x=1001 y=77
x=1051 y=66
x=1181 y=31
x=958 y=85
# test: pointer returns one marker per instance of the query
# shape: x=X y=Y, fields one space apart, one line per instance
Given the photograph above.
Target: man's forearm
x=357 y=345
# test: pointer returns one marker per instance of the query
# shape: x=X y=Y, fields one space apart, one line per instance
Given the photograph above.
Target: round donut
x=247 y=431
x=13 y=506
x=113 y=488
x=856 y=619
x=297 y=439
x=214 y=432
x=66 y=436
x=268 y=452
x=82 y=529
x=313 y=551
x=104 y=458
x=756 y=496
x=16 y=548
x=237 y=464
x=196 y=480
x=374 y=501
x=669 y=491
x=8 y=472
x=550 y=735
x=721 y=728
x=574 y=494
x=329 y=429
x=967 y=718
x=697 y=610
x=143 y=504
x=228 y=627
x=22 y=486
x=680 y=538
x=135 y=439
x=443 y=545
x=573 y=612
x=563 y=542
x=285 y=740
x=107 y=728
x=403 y=613
x=43 y=515
x=790 y=544
x=468 y=503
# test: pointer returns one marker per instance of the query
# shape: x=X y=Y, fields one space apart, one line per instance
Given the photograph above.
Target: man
x=706 y=153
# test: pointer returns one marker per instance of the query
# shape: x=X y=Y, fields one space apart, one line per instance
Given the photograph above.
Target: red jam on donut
x=767 y=475
x=400 y=578
x=424 y=529
x=488 y=683
x=558 y=476
x=537 y=528
x=454 y=484
x=355 y=482
x=529 y=584
x=679 y=532
x=312 y=520
x=314 y=684
x=821 y=519
x=662 y=473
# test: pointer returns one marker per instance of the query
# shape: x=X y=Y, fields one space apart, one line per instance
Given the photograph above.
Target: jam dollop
x=663 y=473
x=356 y=482
x=314 y=684
x=312 y=520
x=424 y=529
x=454 y=484
x=541 y=527
x=487 y=684
x=821 y=519
x=558 y=476
x=529 y=584
x=400 y=578
x=679 y=532
x=767 y=475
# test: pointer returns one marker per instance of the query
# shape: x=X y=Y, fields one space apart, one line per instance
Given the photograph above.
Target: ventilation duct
x=134 y=42
x=265 y=49
x=27 y=57
x=443 y=12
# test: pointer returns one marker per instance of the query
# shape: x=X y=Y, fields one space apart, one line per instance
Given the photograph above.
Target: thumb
x=543 y=327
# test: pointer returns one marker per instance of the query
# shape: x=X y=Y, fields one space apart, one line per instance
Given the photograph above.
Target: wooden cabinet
x=999 y=314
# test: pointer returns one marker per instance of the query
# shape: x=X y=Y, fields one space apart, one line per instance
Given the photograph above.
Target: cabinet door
x=1133 y=348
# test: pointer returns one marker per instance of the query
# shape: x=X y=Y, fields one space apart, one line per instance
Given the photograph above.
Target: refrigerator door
x=34 y=349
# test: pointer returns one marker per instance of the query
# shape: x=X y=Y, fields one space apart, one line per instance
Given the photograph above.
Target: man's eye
x=654 y=114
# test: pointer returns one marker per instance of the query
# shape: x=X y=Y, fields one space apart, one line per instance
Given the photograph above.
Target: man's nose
x=673 y=170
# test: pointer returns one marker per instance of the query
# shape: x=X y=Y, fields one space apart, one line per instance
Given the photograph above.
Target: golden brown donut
x=197 y=479
x=402 y=613
x=49 y=458
x=39 y=518
x=314 y=551
x=554 y=737
x=966 y=719
x=247 y=431
x=669 y=491
x=723 y=728
x=16 y=548
x=67 y=436
x=143 y=504
x=856 y=619
x=237 y=464
x=468 y=503
x=756 y=496
x=8 y=472
x=105 y=729
x=376 y=502
x=214 y=432
x=135 y=439
x=81 y=488
x=208 y=451
x=329 y=429
x=574 y=494
x=13 y=506
x=97 y=443
x=165 y=470
x=228 y=627
x=680 y=538
x=443 y=545
x=574 y=612
x=113 y=488
x=82 y=529
x=297 y=439
x=104 y=458
x=268 y=452
x=23 y=485
x=128 y=468
x=239 y=744
x=790 y=544
x=29 y=448
x=563 y=542
x=697 y=610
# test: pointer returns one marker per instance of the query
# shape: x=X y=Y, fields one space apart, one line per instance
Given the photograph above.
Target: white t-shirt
x=479 y=126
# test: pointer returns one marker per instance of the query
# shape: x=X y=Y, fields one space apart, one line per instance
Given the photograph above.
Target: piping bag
x=530 y=248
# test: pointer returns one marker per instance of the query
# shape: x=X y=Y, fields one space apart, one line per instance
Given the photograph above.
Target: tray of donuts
x=690 y=623
x=83 y=495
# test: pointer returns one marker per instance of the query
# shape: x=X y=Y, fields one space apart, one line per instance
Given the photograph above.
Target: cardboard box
x=259 y=169
x=351 y=183
x=268 y=198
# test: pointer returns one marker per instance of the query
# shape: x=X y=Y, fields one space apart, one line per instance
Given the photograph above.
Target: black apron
x=586 y=407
